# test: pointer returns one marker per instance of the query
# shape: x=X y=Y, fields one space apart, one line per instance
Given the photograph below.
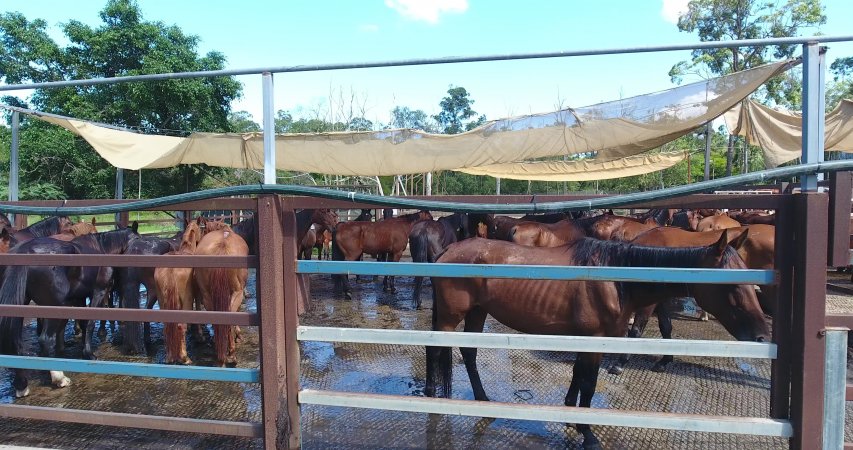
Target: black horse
x=428 y=240
x=57 y=286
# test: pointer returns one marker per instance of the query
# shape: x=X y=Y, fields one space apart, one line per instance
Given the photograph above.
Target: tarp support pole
x=708 y=136
x=497 y=186
x=13 y=161
x=269 y=129
x=119 y=191
x=813 y=111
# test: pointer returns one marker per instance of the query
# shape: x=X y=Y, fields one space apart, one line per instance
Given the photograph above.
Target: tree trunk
x=729 y=152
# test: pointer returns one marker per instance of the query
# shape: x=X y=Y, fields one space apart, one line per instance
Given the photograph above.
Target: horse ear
x=93 y=220
x=4 y=234
x=134 y=226
x=740 y=240
x=721 y=244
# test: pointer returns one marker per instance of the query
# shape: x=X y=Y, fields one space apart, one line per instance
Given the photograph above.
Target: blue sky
x=256 y=34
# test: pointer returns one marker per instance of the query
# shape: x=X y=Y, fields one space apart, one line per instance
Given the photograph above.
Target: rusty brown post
x=291 y=320
x=780 y=380
x=20 y=221
x=809 y=313
x=840 y=187
x=278 y=429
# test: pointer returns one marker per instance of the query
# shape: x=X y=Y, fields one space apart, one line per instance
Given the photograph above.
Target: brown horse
x=753 y=217
x=686 y=219
x=535 y=234
x=175 y=292
x=501 y=227
x=755 y=246
x=43 y=228
x=306 y=246
x=577 y=307
x=387 y=237
x=717 y=222
x=78 y=229
x=620 y=228
x=428 y=239
x=5 y=241
x=222 y=289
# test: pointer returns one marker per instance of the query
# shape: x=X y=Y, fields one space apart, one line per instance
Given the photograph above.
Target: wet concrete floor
x=736 y=387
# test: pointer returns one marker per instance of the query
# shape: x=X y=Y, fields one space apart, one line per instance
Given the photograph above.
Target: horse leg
x=14 y=345
x=665 y=325
x=150 y=301
x=641 y=319
x=474 y=321
x=98 y=296
x=392 y=288
x=584 y=380
x=53 y=329
x=59 y=345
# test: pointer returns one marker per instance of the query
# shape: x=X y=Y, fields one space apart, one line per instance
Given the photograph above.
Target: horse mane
x=46 y=227
x=108 y=241
x=595 y=252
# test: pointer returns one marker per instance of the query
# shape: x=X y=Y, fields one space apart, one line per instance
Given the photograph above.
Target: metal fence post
x=13 y=161
x=278 y=429
x=835 y=380
x=809 y=313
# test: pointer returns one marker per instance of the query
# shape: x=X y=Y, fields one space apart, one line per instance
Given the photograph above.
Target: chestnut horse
x=620 y=228
x=77 y=229
x=534 y=234
x=306 y=245
x=175 y=292
x=576 y=307
x=221 y=289
x=428 y=240
x=717 y=222
x=755 y=246
x=389 y=236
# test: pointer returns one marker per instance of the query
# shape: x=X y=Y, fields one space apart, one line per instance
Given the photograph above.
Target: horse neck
x=449 y=225
x=620 y=254
x=303 y=222
x=44 y=227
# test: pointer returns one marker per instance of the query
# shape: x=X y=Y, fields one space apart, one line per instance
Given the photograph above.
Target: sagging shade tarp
x=581 y=170
x=613 y=130
x=780 y=133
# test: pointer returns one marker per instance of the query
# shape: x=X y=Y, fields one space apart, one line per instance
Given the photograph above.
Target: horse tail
x=219 y=285
x=167 y=295
x=13 y=292
x=439 y=361
x=418 y=248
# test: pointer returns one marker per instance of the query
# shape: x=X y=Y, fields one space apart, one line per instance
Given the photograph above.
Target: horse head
x=325 y=217
x=735 y=306
x=5 y=239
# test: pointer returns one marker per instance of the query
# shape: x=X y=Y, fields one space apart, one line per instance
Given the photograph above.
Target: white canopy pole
x=269 y=130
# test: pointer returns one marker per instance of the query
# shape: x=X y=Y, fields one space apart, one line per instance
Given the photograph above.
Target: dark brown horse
x=501 y=227
x=43 y=228
x=428 y=240
x=534 y=234
x=754 y=246
x=686 y=219
x=390 y=236
x=545 y=218
x=753 y=217
x=579 y=308
x=57 y=286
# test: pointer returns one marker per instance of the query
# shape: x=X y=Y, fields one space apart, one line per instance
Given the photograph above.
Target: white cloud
x=368 y=28
x=672 y=9
x=427 y=10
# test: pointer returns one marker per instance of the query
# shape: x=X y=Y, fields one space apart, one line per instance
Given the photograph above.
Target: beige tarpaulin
x=779 y=133
x=613 y=130
x=581 y=170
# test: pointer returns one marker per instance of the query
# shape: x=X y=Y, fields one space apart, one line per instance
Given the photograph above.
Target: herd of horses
x=657 y=238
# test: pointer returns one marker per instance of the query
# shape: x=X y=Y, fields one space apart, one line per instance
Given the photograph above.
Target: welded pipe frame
x=614 y=345
x=835 y=387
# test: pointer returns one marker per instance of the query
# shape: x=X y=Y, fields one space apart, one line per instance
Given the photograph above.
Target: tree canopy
x=124 y=44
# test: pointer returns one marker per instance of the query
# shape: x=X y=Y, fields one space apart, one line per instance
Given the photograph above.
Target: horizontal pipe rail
x=115 y=419
x=839 y=321
x=428 y=61
x=234 y=375
x=565 y=414
x=243 y=319
x=703 y=348
x=625 y=200
x=236 y=262
x=539 y=272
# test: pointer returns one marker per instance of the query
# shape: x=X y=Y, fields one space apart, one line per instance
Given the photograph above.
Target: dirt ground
x=736 y=387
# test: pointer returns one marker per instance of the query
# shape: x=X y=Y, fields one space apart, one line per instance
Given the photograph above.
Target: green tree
x=455 y=111
x=719 y=20
x=842 y=85
x=125 y=44
x=404 y=117
x=242 y=122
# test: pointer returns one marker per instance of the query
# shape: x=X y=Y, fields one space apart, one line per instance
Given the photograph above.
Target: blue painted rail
x=236 y=375
x=539 y=272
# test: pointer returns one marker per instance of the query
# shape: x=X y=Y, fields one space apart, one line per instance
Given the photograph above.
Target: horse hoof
x=703 y=317
x=616 y=370
x=392 y=290
x=23 y=393
x=89 y=355
x=59 y=379
x=347 y=296
x=592 y=446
